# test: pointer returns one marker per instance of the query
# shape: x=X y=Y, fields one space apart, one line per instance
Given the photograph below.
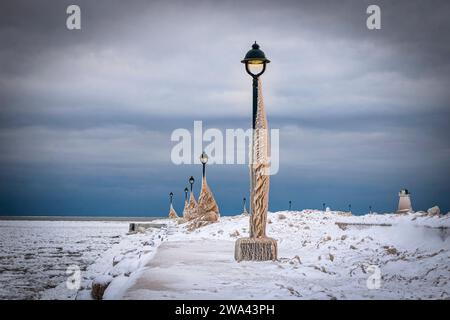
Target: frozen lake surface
x=34 y=255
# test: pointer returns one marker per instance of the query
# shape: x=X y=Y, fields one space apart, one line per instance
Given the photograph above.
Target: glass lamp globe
x=204 y=158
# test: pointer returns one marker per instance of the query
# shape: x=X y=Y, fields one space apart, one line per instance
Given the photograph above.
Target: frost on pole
x=191 y=211
x=259 y=168
x=172 y=212
x=206 y=203
x=244 y=210
x=207 y=209
x=186 y=208
x=258 y=247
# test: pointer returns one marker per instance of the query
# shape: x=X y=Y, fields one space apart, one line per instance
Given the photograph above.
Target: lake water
x=34 y=255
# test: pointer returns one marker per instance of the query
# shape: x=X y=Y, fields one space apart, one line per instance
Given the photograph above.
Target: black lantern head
x=255 y=61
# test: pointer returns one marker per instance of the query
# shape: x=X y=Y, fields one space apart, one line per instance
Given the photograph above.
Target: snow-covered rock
x=99 y=286
x=434 y=211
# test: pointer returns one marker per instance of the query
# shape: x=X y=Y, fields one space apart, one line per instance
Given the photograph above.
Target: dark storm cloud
x=103 y=101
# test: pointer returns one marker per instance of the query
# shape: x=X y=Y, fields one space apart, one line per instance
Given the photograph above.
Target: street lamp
x=258 y=246
x=255 y=64
x=349 y=208
x=191 y=181
x=323 y=206
x=290 y=205
x=204 y=160
x=370 y=209
x=171 y=197
x=186 y=190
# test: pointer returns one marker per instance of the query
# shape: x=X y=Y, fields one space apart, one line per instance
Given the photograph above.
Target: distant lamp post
x=370 y=209
x=258 y=246
x=191 y=206
x=204 y=160
x=290 y=205
x=191 y=181
x=244 y=211
x=186 y=203
x=172 y=212
x=349 y=208
x=207 y=209
x=323 y=206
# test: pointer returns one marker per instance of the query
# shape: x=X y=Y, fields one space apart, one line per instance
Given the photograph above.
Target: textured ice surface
x=34 y=255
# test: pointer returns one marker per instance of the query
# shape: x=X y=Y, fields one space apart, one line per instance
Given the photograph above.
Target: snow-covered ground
x=317 y=259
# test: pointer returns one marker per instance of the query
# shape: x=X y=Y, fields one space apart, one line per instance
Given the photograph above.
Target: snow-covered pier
x=317 y=260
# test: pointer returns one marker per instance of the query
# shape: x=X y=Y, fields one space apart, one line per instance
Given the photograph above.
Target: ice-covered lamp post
x=204 y=160
x=208 y=211
x=258 y=246
x=172 y=213
x=186 y=203
x=191 y=181
x=191 y=210
x=244 y=211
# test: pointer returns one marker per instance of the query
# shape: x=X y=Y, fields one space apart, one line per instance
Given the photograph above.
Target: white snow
x=317 y=259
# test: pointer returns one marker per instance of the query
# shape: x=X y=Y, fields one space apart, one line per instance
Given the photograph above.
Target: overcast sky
x=86 y=116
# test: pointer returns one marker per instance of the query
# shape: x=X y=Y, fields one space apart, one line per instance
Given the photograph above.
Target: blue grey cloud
x=86 y=116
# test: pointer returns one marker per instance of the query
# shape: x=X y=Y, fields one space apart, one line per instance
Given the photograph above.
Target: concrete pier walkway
x=181 y=270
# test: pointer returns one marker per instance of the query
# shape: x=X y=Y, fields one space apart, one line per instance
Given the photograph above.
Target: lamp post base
x=255 y=249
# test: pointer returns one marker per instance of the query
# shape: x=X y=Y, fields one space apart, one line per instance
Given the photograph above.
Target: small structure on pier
x=404 y=202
